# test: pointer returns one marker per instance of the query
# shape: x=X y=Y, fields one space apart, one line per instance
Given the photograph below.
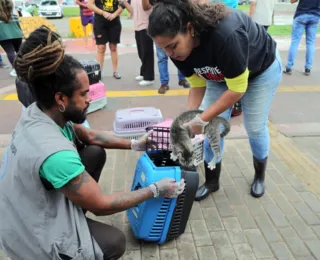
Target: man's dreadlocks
x=42 y=63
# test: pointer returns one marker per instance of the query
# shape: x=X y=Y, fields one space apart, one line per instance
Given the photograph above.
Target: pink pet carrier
x=98 y=96
x=161 y=137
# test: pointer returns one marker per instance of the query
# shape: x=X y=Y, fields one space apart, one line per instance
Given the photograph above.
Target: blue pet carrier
x=161 y=219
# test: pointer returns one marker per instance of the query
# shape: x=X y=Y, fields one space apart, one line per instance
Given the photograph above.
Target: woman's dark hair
x=170 y=17
x=6 y=9
x=43 y=65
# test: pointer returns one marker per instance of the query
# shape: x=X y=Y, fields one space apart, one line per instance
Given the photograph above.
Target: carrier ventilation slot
x=176 y=218
x=137 y=125
x=158 y=225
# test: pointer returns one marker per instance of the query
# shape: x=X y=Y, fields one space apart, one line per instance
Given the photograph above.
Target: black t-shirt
x=308 y=7
x=237 y=43
x=109 y=6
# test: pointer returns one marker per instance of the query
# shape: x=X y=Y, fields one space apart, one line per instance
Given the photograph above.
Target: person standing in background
x=261 y=11
x=143 y=41
x=163 y=62
x=10 y=31
x=86 y=17
x=306 y=18
x=2 y=64
x=107 y=29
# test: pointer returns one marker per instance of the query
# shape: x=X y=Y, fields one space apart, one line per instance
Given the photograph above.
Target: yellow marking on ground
x=174 y=92
x=11 y=97
x=305 y=170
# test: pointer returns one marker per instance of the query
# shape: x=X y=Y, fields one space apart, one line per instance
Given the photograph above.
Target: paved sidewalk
x=230 y=224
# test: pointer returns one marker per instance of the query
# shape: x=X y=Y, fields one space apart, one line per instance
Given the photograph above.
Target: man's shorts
x=106 y=31
x=85 y=20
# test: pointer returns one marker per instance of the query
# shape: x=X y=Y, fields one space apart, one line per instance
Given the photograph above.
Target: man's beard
x=75 y=115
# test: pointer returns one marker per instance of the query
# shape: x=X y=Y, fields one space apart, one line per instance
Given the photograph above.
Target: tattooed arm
x=86 y=193
x=89 y=136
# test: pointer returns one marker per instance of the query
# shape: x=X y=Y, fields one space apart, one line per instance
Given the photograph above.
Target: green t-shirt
x=61 y=167
x=10 y=30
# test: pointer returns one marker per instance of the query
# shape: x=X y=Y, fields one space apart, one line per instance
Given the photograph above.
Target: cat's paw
x=173 y=157
x=212 y=165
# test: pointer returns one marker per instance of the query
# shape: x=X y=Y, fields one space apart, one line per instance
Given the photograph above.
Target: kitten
x=181 y=143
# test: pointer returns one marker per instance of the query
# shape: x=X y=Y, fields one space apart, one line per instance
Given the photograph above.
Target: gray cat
x=182 y=148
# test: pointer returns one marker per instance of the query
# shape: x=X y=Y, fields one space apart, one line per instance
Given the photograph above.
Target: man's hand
x=168 y=188
x=196 y=125
x=141 y=143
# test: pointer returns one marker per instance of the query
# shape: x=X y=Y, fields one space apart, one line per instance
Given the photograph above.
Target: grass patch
x=71 y=11
x=125 y=12
x=281 y=30
x=244 y=8
x=75 y=11
x=67 y=11
x=71 y=35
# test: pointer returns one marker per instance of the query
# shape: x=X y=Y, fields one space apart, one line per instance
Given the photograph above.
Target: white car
x=50 y=9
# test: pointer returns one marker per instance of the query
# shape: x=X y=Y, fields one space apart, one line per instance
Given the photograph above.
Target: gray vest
x=36 y=223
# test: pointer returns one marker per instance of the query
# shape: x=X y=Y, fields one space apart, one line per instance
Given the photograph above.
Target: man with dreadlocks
x=50 y=170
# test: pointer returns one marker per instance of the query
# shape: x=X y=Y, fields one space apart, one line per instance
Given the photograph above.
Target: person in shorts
x=87 y=17
x=107 y=29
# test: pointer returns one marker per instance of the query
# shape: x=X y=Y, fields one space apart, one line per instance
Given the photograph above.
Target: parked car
x=50 y=9
x=24 y=7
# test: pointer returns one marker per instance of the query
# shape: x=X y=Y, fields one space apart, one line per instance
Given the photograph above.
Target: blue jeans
x=163 y=67
x=308 y=23
x=255 y=103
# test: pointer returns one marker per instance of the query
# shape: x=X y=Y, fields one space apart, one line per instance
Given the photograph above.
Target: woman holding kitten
x=226 y=57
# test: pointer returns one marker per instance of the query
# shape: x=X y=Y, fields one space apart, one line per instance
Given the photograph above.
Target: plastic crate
x=93 y=69
x=161 y=139
x=97 y=92
x=131 y=122
x=161 y=219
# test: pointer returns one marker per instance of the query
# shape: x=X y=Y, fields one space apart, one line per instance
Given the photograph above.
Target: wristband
x=155 y=190
x=133 y=144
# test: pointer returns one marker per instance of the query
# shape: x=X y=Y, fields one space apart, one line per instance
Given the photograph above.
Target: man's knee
x=117 y=246
x=97 y=152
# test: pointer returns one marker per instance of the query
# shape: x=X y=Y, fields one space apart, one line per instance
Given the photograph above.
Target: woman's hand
x=196 y=125
x=112 y=16
x=226 y=100
x=195 y=97
x=106 y=15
